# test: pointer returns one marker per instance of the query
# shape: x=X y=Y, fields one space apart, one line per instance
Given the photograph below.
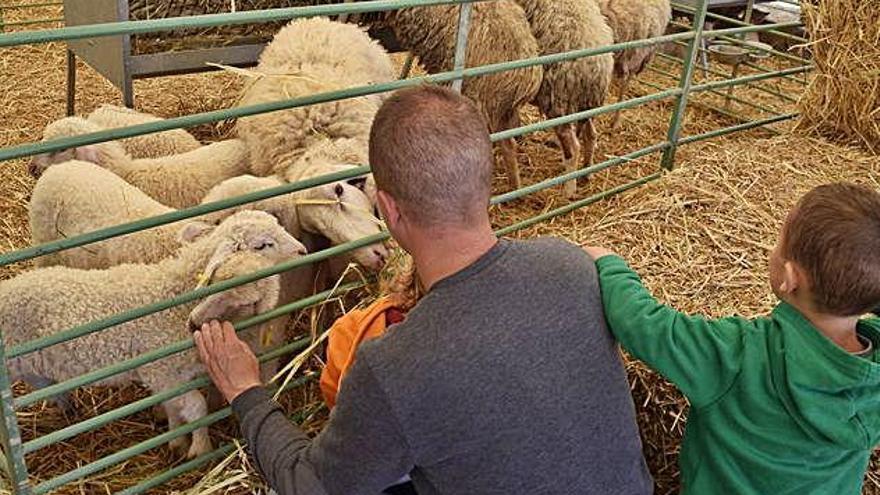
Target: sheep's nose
x=33 y=169
x=302 y=251
x=192 y=325
x=380 y=256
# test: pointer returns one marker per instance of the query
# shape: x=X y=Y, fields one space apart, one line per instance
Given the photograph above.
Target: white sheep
x=44 y=301
x=153 y=145
x=343 y=45
x=177 y=180
x=75 y=198
x=632 y=20
x=576 y=85
x=499 y=33
x=351 y=59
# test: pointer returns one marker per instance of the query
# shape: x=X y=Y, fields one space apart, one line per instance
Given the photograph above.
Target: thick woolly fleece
x=502 y=380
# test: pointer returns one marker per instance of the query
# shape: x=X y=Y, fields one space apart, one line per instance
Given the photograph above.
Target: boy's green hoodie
x=776 y=407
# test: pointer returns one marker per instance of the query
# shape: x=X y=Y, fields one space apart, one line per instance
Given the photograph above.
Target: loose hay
x=843 y=100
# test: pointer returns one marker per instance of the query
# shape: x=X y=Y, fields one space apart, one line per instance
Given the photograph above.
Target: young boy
x=790 y=403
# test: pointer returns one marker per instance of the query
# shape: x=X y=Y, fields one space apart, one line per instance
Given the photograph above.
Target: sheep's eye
x=339 y=190
x=263 y=245
x=359 y=182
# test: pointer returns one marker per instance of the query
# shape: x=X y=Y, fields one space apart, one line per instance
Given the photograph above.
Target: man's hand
x=230 y=362
x=597 y=252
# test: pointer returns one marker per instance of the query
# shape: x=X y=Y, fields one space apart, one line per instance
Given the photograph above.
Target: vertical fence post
x=734 y=72
x=687 y=74
x=10 y=436
x=464 y=24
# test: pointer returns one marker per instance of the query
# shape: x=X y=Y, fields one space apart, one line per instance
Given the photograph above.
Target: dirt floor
x=699 y=236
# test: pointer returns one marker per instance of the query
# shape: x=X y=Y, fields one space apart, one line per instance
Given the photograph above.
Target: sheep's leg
x=196 y=407
x=571 y=153
x=63 y=401
x=172 y=411
x=589 y=137
x=186 y=409
x=621 y=94
x=508 y=156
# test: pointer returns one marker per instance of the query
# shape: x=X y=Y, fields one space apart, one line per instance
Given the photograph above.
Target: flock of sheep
x=95 y=186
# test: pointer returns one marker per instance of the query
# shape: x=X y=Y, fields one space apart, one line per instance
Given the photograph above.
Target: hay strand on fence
x=842 y=101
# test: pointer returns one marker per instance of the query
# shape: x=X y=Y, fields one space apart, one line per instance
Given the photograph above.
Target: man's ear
x=388 y=207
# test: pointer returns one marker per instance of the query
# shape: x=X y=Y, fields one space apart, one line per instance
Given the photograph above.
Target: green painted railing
x=663 y=151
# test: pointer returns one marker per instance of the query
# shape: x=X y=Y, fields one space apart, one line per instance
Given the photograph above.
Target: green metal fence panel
x=9 y=433
x=685 y=85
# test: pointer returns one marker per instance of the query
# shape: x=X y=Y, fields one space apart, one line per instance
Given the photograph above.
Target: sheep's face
x=239 y=302
x=100 y=153
x=342 y=212
x=39 y=163
x=253 y=231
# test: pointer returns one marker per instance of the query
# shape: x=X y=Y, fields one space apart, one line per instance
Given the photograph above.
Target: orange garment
x=347 y=333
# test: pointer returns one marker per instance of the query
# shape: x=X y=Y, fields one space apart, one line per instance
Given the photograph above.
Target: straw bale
x=843 y=100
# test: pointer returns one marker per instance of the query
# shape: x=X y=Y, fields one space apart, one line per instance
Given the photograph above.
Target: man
x=502 y=379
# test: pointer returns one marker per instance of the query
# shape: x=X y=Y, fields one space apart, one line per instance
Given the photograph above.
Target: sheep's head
x=279 y=206
x=342 y=212
x=239 y=302
x=246 y=231
x=98 y=153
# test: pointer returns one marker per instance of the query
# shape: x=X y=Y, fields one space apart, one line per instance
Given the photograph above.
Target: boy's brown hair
x=430 y=150
x=834 y=235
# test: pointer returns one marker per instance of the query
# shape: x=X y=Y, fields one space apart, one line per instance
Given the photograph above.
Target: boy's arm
x=701 y=357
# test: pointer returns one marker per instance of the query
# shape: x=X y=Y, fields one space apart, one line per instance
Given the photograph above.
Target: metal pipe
x=212 y=20
x=461 y=42
x=687 y=76
x=127 y=453
x=737 y=22
x=735 y=128
x=145 y=403
x=722 y=74
x=230 y=113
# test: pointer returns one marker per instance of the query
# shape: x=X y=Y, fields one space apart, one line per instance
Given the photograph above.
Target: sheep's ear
x=193 y=230
x=86 y=153
x=221 y=253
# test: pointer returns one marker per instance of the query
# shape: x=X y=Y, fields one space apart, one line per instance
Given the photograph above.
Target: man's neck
x=839 y=329
x=447 y=251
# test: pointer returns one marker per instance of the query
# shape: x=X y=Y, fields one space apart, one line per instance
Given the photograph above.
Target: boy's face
x=777 y=269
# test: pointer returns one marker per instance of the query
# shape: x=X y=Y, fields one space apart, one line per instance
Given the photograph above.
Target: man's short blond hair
x=430 y=150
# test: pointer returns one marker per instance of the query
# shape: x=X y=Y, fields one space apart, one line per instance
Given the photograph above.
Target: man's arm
x=362 y=450
x=700 y=356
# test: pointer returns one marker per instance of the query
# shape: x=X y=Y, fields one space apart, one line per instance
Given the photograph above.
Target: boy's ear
x=792 y=278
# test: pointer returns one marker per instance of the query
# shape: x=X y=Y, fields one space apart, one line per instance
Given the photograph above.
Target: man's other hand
x=232 y=365
x=597 y=252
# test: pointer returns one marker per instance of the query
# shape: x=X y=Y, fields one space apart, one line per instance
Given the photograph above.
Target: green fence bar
x=136 y=226
x=711 y=15
x=93 y=423
x=737 y=99
x=9 y=431
x=685 y=85
x=211 y=20
x=188 y=466
x=578 y=204
x=140 y=448
x=715 y=72
x=750 y=78
x=230 y=113
x=708 y=106
x=461 y=42
x=145 y=403
x=736 y=128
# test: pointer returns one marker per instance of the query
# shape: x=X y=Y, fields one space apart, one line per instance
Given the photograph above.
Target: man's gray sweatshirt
x=502 y=380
